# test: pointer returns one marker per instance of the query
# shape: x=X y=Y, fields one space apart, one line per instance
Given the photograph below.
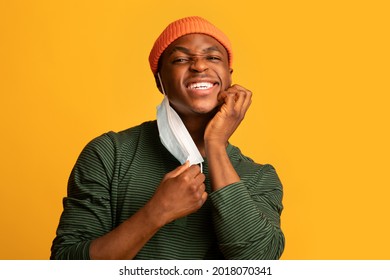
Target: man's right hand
x=180 y=193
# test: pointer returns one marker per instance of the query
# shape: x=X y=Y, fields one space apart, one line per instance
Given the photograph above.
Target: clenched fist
x=180 y=193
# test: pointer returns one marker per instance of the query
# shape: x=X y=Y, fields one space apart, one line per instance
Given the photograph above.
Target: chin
x=206 y=110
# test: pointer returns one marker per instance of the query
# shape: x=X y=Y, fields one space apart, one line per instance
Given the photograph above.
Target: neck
x=196 y=126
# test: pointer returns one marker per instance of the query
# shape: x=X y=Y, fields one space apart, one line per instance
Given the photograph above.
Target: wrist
x=221 y=170
x=215 y=146
x=153 y=215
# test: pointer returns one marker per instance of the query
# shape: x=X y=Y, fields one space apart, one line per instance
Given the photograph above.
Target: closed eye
x=213 y=58
x=180 y=60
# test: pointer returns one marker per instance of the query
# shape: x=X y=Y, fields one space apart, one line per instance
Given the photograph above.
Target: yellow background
x=319 y=72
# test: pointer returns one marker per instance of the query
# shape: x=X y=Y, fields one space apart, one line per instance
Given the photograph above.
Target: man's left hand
x=235 y=103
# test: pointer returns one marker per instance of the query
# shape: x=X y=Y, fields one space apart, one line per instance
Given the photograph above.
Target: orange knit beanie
x=184 y=26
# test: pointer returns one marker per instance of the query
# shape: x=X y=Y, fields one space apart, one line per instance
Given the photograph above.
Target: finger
x=204 y=197
x=199 y=182
x=240 y=99
x=191 y=171
x=230 y=100
x=179 y=170
x=221 y=97
x=200 y=178
x=248 y=102
x=242 y=92
x=245 y=101
x=238 y=87
x=224 y=94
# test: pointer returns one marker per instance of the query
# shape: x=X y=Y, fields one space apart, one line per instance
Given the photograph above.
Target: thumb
x=178 y=170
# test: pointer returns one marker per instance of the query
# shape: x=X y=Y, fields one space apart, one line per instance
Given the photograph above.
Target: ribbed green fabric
x=117 y=173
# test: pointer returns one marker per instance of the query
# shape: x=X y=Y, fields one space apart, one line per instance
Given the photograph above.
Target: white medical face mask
x=174 y=135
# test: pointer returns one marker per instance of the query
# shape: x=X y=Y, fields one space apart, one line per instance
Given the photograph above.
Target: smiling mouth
x=201 y=85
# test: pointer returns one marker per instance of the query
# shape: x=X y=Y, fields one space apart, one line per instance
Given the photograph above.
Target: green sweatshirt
x=117 y=173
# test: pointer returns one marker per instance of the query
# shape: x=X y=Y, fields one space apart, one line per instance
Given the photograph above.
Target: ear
x=158 y=84
x=231 y=74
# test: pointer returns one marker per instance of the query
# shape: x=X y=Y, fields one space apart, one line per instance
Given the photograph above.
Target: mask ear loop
x=161 y=84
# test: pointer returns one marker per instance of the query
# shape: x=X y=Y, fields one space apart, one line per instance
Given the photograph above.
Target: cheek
x=226 y=80
x=171 y=81
x=230 y=79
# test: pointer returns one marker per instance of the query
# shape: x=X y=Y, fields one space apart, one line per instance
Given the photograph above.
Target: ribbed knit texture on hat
x=184 y=26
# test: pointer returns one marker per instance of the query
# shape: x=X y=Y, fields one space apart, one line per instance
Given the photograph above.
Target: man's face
x=194 y=69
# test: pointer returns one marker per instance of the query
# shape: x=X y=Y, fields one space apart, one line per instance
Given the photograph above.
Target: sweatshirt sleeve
x=247 y=216
x=87 y=211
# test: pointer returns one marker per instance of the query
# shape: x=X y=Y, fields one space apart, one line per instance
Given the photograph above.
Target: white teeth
x=203 y=85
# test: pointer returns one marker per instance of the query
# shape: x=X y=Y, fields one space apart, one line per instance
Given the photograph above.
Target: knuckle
x=233 y=113
x=197 y=168
x=185 y=176
x=193 y=188
x=186 y=179
x=197 y=196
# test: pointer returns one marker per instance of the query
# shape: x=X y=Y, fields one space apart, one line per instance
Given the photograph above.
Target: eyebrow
x=187 y=51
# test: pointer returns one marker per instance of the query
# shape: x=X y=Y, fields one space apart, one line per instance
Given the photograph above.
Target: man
x=175 y=188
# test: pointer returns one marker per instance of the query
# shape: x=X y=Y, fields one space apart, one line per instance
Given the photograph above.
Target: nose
x=199 y=65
